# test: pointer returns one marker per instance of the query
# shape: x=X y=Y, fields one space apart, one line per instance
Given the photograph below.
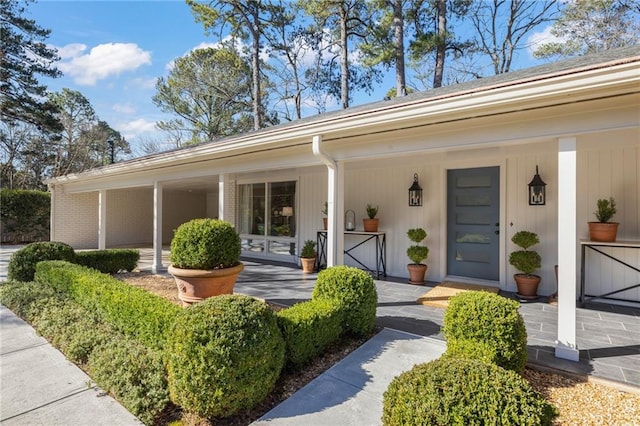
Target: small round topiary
x=224 y=355
x=491 y=320
x=451 y=391
x=22 y=264
x=355 y=291
x=205 y=244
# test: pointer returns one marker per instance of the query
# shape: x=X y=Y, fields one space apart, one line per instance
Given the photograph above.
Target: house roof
x=347 y=118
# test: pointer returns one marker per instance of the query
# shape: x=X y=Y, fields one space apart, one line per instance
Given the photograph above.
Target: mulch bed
x=579 y=401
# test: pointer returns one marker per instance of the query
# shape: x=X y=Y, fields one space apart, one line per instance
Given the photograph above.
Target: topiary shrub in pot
x=308 y=256
x=224 y=355
x=486 y=326
x=526 y=261
x=450 y=391
x=417 y=253
x=22 y=264
x=370 y=223
x=205 y=259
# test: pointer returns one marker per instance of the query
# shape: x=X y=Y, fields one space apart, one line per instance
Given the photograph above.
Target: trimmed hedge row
x=22 y=265
x=450 y=391
x=309 y=328
x=110 y=261
x=131 y=371
x=25 y=214
x=131 y=310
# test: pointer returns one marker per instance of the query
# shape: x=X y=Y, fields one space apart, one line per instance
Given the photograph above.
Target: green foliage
x=525 y=260
x=134 y=373
x=308 y=328
x=22 y=264
x=69 y=327
x=490 y=320
x=325 y=208
x=309 y=249
x=130 y=310
x=355 y=292
x=109 y=261
x=25 y=214
x=372 y=211
x=19 y=296
x=417 y=253
x=205 y=244
x=606 y=209
x=224 y=355
x=451 y=391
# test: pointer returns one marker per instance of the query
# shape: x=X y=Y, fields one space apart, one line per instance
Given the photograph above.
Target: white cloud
x=137 y=127
x=101 y=62
x=124 y=108
x=541 y=37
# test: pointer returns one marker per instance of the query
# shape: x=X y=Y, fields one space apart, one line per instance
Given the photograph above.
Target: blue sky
x=114 y=51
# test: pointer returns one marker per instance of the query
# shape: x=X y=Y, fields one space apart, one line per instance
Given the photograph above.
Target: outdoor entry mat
x=440 y=294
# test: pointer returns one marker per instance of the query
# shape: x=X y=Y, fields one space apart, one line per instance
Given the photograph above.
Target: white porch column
x=567 y=238
x=52 y=214
x=221 y=197
x=339 y=199
x=102 y=219
x=157 y=227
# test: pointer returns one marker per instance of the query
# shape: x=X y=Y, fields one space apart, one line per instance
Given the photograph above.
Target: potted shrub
x=308 y=256
x=417 y=253
x=370 y=223
x=205 y=259
x=526 y=261
x=325 y=212
x=604 y=230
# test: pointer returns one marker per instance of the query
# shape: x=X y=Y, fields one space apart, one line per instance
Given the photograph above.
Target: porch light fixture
x=415 y=193
x=537 y=190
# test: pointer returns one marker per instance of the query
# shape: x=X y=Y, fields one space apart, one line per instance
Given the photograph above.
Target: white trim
x=157 y=228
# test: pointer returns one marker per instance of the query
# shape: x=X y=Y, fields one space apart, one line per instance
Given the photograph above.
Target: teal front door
x=473 y=213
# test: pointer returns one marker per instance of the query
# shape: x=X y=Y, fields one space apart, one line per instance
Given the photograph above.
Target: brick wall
x=75 y=219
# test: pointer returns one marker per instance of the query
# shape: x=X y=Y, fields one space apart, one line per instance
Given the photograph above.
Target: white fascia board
x=538 y=92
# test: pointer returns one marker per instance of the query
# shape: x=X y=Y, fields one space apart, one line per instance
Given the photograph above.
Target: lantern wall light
x=415 y=193
x=537 y=193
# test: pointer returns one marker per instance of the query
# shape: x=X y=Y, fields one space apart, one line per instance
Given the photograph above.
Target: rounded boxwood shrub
x=224 y=355
x=205 y=244
x=451 y=391
x=356 y=293
x=492 y=321
x=22 y=265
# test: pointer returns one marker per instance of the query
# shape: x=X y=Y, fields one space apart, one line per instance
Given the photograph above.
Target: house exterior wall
x=180 y=207
x=75 y=219
x=129 y=217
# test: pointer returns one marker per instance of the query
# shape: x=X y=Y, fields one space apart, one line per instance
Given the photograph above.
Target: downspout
x=335 y=195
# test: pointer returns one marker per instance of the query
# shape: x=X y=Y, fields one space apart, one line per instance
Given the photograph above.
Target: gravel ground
x=580 y=402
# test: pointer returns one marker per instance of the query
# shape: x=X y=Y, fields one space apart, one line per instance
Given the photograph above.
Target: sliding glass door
x=267 y=219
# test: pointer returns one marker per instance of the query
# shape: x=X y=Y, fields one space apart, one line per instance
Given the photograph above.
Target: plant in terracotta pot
x=526 y=261
x=308 y=256
x=205 y=259
x=603 y=230
x=370 y=223
x=325 y=212
x=417 y=253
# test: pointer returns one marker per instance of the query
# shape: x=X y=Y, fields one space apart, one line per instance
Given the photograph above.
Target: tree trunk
x=344 y=59
x=398 y=26
x=441 y=46
x=255 y=62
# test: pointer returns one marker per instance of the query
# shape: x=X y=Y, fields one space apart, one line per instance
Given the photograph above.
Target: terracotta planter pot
x=527 y=285
x=417 y=271
x=195 y=285
x=324 y=223
x=370 y=225
x=603 y=231
x=308 y=264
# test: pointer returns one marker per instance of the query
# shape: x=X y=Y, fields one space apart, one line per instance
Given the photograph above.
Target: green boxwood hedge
x=308 y=328
x=109 y=261
x=130 y=310
x=490 y=320
x=356 y=294
x=19 y=297
x=450 y=391
x=22 y=264
x=224 y=355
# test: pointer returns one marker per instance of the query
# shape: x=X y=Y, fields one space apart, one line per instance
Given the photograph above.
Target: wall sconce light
x=415 y=192
x=537 y=190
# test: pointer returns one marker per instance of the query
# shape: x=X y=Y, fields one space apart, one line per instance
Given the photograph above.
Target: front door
x=473 y=212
